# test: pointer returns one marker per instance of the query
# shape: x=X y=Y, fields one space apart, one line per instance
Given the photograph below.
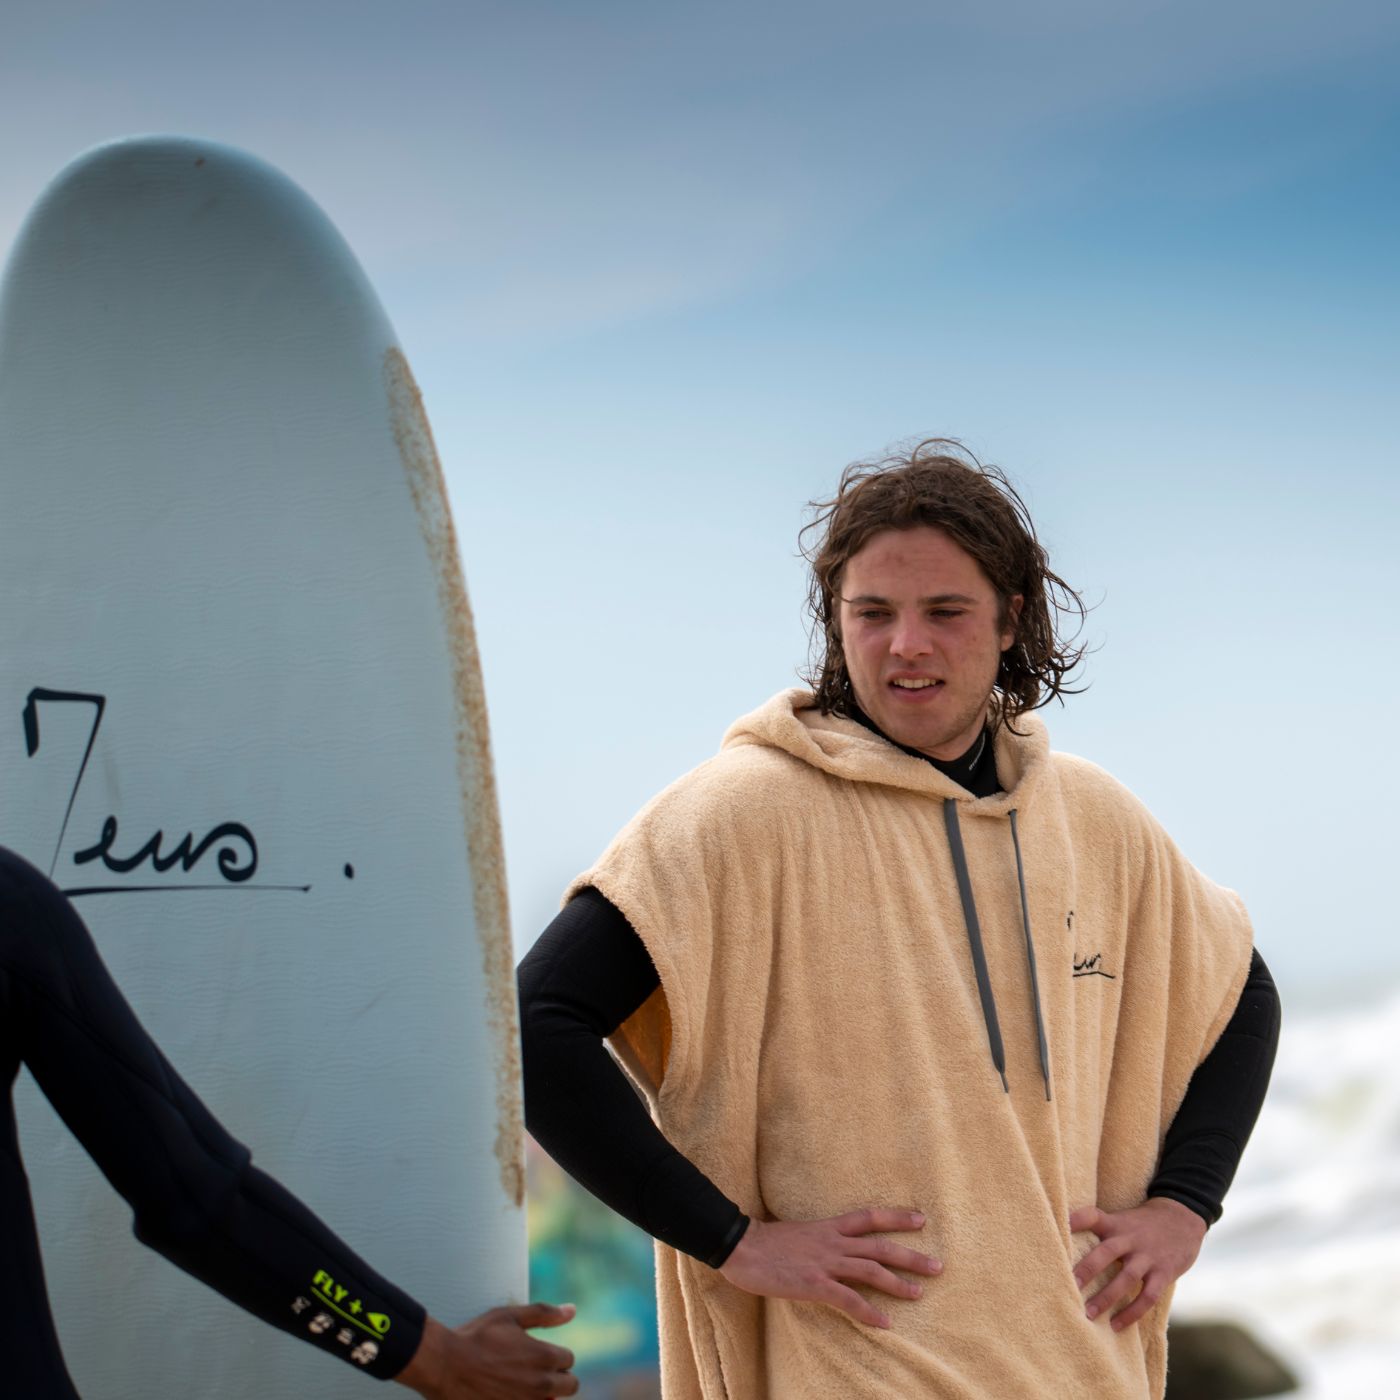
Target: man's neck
x=973 y=769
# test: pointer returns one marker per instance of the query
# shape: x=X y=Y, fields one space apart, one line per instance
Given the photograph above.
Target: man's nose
x=910 y=640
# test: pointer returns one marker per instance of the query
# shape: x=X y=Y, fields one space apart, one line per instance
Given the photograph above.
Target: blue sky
x=663 y=270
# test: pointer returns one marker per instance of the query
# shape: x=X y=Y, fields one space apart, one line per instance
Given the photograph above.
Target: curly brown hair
x=939 y=482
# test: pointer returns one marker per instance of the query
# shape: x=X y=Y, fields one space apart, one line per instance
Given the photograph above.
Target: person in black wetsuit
x=196 y=1197
x=590 y=970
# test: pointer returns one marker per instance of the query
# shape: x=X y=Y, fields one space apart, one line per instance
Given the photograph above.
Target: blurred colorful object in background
x=583 y=1253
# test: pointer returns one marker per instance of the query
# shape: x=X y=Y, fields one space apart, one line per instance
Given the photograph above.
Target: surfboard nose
x=191 y=257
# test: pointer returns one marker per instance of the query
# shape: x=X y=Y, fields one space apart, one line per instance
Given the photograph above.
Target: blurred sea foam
x=1307 y=1254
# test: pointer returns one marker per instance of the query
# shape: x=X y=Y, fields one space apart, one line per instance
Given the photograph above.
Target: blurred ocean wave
x=1307 y=1254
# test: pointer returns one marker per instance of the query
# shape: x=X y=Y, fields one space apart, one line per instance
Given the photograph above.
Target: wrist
x=732 y=1238
x=424 y=1370
x=1185 y=1213
x=744 y=1249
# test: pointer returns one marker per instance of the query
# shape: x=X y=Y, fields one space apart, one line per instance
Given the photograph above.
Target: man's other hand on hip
x=1153 y=1245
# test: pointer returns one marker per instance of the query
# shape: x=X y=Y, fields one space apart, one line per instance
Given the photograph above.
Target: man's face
x=923 y=637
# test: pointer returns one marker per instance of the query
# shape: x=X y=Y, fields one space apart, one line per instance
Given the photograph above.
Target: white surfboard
x=242 y=723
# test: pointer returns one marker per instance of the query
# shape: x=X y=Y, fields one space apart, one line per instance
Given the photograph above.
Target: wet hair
x=940 y=483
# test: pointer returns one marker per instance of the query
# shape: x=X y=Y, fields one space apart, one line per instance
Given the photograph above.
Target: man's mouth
x=914 y=682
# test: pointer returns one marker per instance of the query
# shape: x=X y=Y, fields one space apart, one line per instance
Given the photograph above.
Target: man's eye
x=873 y=615
x=947 y=612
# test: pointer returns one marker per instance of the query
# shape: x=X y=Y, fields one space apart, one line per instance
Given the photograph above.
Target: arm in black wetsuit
x=589 y=971
x=1208 y=1135
x=196 y=1197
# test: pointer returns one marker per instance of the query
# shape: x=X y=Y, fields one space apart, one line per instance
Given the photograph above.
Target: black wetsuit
x=589 y=971
x=196 y=1197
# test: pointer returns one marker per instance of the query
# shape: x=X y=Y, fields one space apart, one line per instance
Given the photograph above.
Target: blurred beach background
x=663 y=270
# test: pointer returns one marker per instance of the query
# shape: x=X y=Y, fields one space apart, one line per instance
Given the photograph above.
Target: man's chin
x=930 y=742
x=940 y=741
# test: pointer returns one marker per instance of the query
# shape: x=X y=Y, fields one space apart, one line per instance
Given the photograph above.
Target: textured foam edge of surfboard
x=423 y=470
x=423 y=475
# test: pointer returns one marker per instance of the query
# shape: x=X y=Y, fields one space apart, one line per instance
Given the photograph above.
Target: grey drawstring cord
x=979 y=956
x=974 y=938
x=1030 y=959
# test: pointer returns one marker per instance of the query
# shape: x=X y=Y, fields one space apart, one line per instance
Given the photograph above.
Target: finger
x=1122 y=1285
x=864 y=1222
x=1087 y=1218
x=551 y=1357
x=1098 y=1259
x=849 y=1301
x=541 y=1314
x=562 y=1384
x=1145 y=1301
x=895 y=1256
x=867 y=1271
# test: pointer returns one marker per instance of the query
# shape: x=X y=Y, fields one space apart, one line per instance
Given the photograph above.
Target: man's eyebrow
x=936 y=600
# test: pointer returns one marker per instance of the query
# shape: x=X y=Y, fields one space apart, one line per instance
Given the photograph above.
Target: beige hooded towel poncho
x=818 y=1044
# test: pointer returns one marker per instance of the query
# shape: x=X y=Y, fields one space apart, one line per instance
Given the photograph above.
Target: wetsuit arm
x=586 y=974
x=196 y=1197
x=1208 y=1135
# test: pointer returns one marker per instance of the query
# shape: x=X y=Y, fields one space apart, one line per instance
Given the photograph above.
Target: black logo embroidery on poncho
x=1089 y=967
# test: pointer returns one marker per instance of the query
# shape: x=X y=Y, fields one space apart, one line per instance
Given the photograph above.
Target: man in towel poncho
x=950 y=1053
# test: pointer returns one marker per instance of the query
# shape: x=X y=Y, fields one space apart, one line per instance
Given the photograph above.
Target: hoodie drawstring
x=1030 y=959
x=979 y=957
x=974 y=937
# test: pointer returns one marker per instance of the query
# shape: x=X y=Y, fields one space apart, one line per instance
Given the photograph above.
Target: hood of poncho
x=844 y=748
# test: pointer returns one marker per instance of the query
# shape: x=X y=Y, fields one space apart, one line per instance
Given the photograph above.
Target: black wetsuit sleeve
x=196 y=1197
x=1208 y=1135
x=586 y=974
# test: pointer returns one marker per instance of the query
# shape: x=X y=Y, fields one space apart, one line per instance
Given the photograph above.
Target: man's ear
x=1011 y=620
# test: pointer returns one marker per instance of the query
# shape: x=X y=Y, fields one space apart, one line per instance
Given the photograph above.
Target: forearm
x=265 y=1251
x=1207 y=1137
x=586 y=974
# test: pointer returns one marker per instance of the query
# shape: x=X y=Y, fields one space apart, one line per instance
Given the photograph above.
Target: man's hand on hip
x=809 y=1259
x=1153 y=1244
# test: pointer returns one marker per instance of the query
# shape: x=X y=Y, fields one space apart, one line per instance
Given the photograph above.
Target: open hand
x=492 y=1357
x=1153 y=1244
x=808 y=1259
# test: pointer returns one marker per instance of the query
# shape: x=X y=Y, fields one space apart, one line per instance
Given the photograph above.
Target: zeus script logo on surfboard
x=231 y=844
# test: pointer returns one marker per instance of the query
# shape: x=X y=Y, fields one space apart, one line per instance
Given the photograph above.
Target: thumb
x=542 y=1314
